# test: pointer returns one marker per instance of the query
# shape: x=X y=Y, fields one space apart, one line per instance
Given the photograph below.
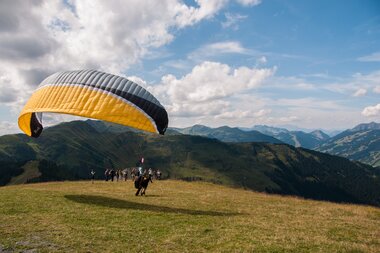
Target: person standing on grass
x=117 y=175
x=106 y=174
x=158 y=174
x=125 y=173
x=150 y=172
x=112 y=174
x=92 y=175
x=139 y=166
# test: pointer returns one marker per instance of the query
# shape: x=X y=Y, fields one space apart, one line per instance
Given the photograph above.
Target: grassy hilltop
x=177 y=216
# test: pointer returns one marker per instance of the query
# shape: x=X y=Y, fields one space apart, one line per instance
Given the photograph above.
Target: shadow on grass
x=152 y=196
x=124 y=204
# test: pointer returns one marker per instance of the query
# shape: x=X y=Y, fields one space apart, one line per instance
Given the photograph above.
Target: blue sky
x=314 y=64
x=297 y=36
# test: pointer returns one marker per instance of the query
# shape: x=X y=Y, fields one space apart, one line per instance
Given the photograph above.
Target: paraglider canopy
x=93 y=94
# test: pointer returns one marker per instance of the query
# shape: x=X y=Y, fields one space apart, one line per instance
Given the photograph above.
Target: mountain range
x=227 y=134
x=70 y=150
x=260 y=133
x=361 y=143
x=295 y=138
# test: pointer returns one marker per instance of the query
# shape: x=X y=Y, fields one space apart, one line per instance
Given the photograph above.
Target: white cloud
x=211 y=80
x=188 y=15
x=226 y=47
x=360 y=92
x=232 y=20
x=262 y=60
x=208 y=91
x=374 y=57
x=249 y=2
x=216 y=49
x=262 y=112
x=138 y=80
x=371 y=111
x=377 y=89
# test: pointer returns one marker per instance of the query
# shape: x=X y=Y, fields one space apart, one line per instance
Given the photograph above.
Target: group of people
x=116 y=174
x=132 y=173
x=141 y=177
x=135 y=173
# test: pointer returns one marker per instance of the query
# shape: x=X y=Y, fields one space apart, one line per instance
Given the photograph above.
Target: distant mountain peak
x=269 y=129
x=367 y=126
x=198 y=126
x=320 y=134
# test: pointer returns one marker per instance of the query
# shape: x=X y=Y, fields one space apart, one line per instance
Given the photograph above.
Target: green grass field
x=177 y=216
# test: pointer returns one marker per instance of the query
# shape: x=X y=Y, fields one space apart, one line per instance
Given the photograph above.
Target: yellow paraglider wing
x=97 y=95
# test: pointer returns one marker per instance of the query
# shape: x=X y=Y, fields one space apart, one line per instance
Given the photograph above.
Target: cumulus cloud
x=360 y=92
x=371 y=111
x=211 y=80
x=189 y=15
x=208 y=89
